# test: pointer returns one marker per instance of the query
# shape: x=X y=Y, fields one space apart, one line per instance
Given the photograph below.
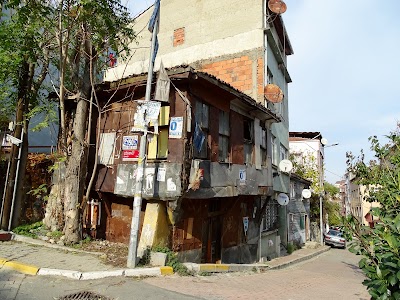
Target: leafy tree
x=23 y=68
x=72 y=37
x=331 y=207
x=305 y=165
x=380 y=245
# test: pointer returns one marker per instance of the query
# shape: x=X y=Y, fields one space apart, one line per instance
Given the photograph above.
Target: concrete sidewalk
x=35 y=257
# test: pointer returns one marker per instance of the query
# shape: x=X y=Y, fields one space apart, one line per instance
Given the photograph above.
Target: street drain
x=84 y=296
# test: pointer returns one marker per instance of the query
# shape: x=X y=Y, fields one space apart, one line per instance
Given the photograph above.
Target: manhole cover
x=84 y=296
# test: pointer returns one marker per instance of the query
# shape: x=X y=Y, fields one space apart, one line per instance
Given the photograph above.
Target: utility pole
x=137 y=201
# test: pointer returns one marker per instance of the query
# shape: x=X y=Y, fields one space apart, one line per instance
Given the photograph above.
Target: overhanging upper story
x=213 y=140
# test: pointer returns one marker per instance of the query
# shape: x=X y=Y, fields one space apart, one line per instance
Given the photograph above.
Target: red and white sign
x=130 y=155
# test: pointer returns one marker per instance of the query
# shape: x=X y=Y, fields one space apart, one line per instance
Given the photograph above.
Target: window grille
x=271 y=216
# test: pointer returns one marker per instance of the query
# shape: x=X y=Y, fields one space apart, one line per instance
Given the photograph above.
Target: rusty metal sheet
x=105 y=179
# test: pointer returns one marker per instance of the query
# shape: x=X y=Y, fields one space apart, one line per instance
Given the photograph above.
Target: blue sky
x=345 y=71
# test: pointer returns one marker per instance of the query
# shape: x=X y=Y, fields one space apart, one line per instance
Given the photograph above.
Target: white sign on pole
x=245 y=224
x=152 y=110
x=175 y=127
x=161 y=174
x=130 y=142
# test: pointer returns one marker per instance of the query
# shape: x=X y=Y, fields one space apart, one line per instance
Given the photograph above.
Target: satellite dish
x=13 y=140
x=324 y=141
x=285 y=166
x=306 y=194
x=277 y=6
x=273 y=93
x=283 y=199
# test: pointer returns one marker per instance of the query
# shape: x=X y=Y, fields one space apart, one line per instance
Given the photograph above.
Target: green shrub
x=172 y=261
x=290 y=248
x=30 y=230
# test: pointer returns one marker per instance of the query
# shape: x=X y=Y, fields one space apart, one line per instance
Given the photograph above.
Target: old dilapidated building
x=207 y=175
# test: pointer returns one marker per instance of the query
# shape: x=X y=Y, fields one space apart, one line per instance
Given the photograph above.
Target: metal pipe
x=16 y=180
x=320 y=220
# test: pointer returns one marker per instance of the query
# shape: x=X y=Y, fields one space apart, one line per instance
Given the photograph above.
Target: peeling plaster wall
x=155 y=230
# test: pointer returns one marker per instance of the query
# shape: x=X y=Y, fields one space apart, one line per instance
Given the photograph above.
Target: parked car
x=335 y=238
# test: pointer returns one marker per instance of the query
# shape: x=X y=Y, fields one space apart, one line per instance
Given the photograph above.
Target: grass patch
x=30 y=230
x=81 y=243
x=204 y=273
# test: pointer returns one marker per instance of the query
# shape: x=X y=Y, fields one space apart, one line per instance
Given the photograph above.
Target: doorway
x=212 y=233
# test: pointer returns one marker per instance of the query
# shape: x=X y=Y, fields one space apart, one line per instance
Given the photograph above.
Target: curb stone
x=22 y=268
x=300 y=259
x=33 y=270
x=138 y=272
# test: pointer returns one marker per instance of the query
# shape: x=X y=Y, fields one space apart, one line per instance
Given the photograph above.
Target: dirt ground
x=114 y=254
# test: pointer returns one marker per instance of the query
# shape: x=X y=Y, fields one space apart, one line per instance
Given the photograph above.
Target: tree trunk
x=76 y=170
x=54 y=215
x=75 y=175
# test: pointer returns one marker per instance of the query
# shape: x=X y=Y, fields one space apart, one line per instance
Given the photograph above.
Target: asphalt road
x=16 y=286
x=332 y=275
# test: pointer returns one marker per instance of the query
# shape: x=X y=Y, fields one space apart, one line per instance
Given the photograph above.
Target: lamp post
x=321 y=223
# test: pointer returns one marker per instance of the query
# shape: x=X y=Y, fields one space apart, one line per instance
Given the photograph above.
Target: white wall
x=212 y=28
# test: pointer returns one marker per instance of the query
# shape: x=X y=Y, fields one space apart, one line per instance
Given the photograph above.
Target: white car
x=335 y=238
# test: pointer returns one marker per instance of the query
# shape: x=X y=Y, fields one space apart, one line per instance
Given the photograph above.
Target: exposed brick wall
x=179 y=36
x=260 y=77
x=239 y=73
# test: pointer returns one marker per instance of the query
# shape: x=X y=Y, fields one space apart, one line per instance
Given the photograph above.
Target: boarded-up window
x=158 y=146
x=106 y=150
x=248 y=134
x=223 y=141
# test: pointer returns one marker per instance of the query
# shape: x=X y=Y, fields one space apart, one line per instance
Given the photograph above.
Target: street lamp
x=321 y=223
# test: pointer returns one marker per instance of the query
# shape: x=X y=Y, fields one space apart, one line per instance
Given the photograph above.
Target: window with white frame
x=283 y=152
x=270 y=80
x=274 y=149
x=280 y=106
x=292 y=190
x=263 y=147
x=202 y=114
x=223 y=140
